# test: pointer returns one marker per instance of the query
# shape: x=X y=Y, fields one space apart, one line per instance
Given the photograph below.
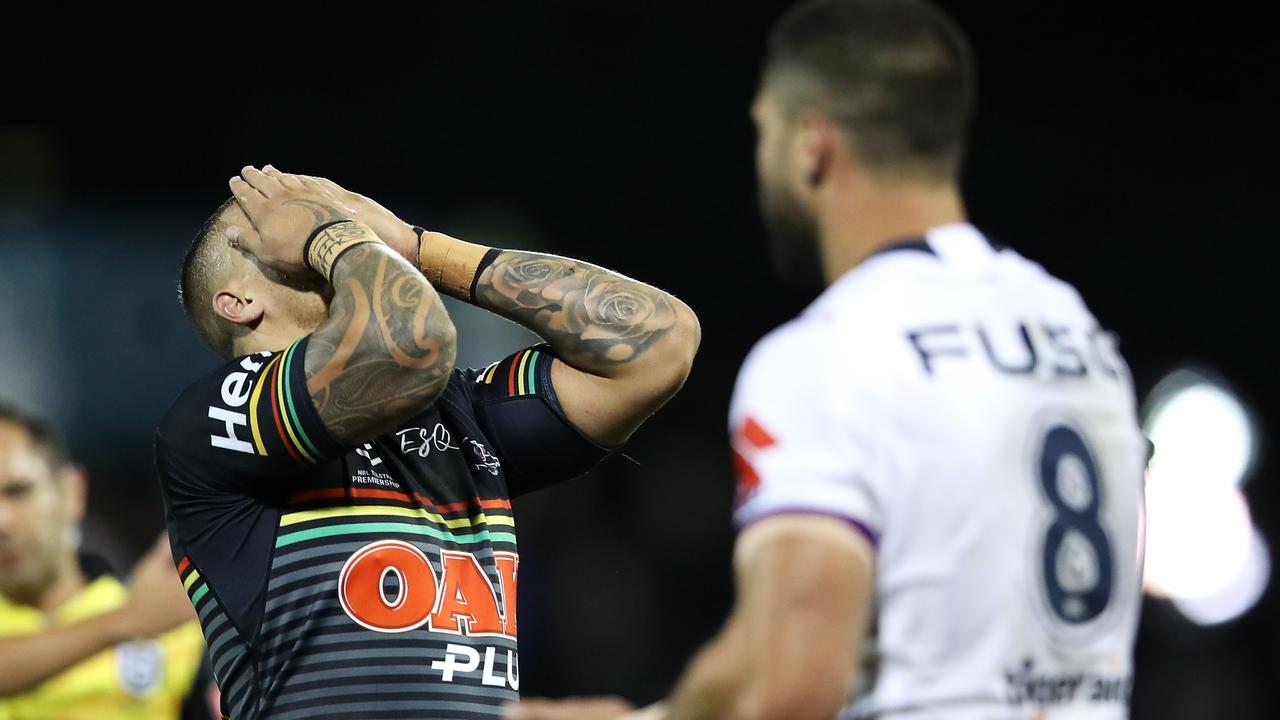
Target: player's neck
x=873 y=215
x=68 y=581
x=266 y=338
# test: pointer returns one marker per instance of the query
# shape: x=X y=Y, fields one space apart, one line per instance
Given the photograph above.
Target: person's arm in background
x=387 y=348
x=157 y=603
x=623 y=348
x=790 y=647
x=792 y=643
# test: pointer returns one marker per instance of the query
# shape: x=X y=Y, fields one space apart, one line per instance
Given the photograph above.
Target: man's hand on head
x=285 y=210
x=396 y=233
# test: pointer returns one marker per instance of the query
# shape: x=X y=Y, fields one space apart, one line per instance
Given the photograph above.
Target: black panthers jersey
x=376 y=581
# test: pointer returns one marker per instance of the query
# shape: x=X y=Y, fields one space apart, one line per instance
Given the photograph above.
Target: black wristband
x=306 y=247
x=488 y=260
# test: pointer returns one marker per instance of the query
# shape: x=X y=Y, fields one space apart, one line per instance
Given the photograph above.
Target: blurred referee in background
x=76 y=643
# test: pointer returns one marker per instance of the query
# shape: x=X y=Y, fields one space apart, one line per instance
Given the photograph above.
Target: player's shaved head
x=205 y=266
x=896 y=76
x=219 y=280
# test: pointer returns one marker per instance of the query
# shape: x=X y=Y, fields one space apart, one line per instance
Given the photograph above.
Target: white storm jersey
x=963 y=409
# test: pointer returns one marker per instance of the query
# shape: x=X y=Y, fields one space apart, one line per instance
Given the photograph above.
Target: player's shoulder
x=458 y=391
x=847 y=331
x=801 y=362
x=790 y=347
x=952 y=267
x=223 y=391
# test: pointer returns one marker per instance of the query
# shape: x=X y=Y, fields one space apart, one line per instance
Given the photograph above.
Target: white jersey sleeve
x=801 y=437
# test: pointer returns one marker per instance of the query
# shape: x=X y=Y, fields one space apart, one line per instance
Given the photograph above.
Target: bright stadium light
x=1235 y=598
x=1201 y=431
x=1202 y=550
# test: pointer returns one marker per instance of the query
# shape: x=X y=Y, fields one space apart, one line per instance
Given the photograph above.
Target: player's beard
x=793 y=238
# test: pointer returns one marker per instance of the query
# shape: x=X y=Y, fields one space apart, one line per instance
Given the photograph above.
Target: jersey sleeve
x=251 y=417
x=237 y=436
x=516 y=406
x=801 y=434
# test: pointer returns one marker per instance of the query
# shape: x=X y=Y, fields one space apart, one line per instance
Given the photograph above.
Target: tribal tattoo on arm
x=323 y=212
x=386 y=350
x=594 y=319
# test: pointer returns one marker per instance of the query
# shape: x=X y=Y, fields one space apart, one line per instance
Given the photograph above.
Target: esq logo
x=462 y=602
x=235 y=393
x=417 y=441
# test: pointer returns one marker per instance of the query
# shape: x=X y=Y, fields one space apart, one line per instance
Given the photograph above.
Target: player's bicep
x=805 y=587
x=518 y=404
x=598 y=406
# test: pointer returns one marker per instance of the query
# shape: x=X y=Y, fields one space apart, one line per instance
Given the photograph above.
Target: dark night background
x=1126 y=151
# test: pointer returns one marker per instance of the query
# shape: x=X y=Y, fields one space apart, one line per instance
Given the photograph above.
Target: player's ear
x=238 y=307
x=814 y=147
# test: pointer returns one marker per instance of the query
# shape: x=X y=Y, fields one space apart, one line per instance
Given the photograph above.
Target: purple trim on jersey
x=858 y=525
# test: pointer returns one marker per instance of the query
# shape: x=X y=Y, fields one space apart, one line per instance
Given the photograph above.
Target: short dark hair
x=896 y=76
x=45 y=436
x=197 y=283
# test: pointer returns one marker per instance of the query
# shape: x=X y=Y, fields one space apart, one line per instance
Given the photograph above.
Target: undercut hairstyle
x=202 y=268
x=896 y=76
x=45 y=436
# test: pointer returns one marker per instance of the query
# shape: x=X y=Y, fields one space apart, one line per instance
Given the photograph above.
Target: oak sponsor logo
x=235 y=391
x=462 y=601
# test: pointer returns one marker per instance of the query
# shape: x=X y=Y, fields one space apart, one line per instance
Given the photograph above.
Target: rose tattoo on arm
x=591 y=317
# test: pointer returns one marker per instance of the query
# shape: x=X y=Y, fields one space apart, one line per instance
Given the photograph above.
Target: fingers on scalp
x=262 y=182
x=243 y=192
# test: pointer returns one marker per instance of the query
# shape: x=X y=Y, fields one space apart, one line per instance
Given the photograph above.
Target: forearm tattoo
x=593 y=318
x=386 y=350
